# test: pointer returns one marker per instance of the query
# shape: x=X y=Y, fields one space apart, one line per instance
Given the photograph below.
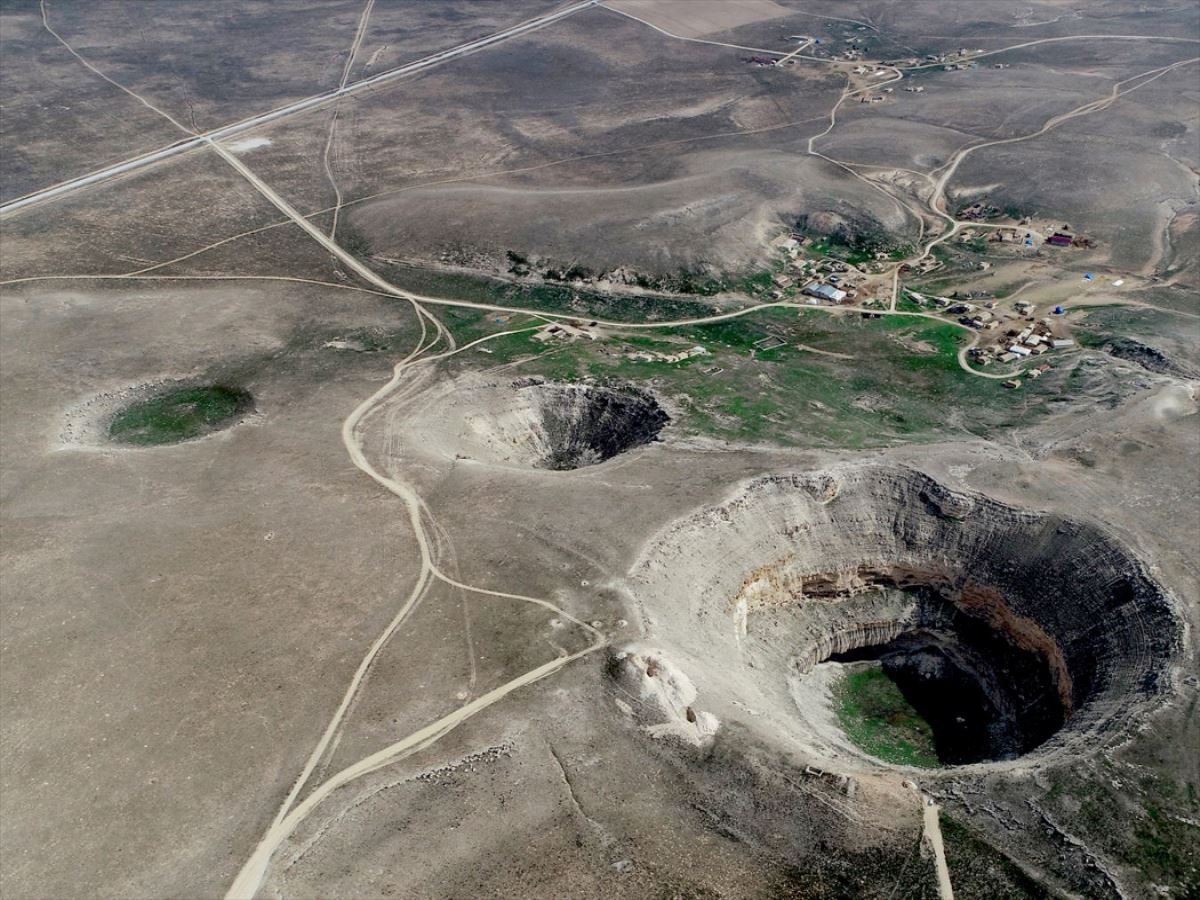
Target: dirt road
x=933 y=836
x=326 y=160
x=227 y=131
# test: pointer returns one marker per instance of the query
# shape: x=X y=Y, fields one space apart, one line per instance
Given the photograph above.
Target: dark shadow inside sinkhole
x=984 y=697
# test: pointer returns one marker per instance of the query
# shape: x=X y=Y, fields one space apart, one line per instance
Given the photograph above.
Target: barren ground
x=498 y=586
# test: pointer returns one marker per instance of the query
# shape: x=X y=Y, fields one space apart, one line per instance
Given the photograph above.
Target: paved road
x=228 y=131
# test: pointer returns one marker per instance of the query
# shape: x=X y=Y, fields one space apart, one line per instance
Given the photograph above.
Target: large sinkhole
x=1010 y=632
x=985 y=694
x=549 y=425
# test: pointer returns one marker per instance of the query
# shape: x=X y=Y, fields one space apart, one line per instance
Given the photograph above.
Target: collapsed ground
x=231 y=567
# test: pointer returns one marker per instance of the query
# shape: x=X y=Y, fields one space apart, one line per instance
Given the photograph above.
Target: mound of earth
x=1149 y=358
x=657 y=695
x=1013 y=632
x=850 y=227
x=540 y=424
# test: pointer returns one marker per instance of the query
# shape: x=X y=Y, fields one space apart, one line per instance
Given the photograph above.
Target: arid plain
x=667 y=448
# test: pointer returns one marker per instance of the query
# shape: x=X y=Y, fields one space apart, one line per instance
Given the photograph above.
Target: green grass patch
x=179 y=414
x=1166 y=848
x=879 y=382
x=756 y=283
x=875 y=715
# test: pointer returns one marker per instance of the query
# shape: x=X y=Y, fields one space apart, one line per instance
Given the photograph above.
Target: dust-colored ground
x=504 y=588
x=696 y=19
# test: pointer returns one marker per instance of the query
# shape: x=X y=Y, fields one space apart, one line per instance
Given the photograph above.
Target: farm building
x=825 y=292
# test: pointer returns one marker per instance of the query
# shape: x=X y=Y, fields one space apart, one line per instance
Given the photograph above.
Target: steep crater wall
x=534 y=423
x=1020 y=632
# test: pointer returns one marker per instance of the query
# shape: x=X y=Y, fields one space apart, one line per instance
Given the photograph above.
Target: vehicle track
x=337 y=111
x=138 y=97
x=492 y=307
x=932 y=828
x=937 y=202
x=198 y=141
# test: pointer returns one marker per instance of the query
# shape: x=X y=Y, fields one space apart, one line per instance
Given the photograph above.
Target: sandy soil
x=698 y=18
x=179 y=626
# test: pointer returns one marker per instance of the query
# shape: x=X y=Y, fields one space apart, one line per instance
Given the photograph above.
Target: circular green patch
x=179 y=414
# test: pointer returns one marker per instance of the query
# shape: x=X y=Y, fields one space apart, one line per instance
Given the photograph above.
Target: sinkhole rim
x=601 y=422
x=809 y=545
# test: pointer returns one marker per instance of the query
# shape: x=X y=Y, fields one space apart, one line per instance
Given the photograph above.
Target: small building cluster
x=679 y=356
x=565 y=331
x=922 y=266
x=837 y=275
x=824 y=292
x=1015 y=344
x=1063 y=239
x=1033 y=340
x=980 y=320
x=980 y=209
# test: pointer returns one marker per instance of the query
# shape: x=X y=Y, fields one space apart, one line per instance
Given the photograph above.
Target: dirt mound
x=1014 y=632
x=1149 y=358
x=659 y=696
x=540 y=424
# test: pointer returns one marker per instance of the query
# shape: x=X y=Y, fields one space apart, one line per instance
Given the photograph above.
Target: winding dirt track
x=363 y=19
x=289 y=816
x=492 y=307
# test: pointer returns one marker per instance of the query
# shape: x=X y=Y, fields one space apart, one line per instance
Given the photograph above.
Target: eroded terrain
x=642 y=447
